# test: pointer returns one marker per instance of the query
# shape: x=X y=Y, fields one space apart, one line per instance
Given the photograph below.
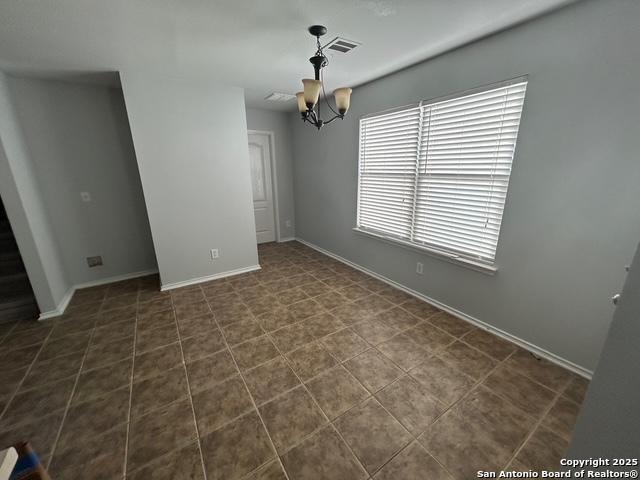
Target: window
x=435 y=175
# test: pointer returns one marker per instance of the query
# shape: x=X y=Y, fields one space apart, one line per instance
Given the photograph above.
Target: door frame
x=274 y=175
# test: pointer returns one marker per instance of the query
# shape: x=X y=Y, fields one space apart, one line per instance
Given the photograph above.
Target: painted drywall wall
x=278 y=123
x=190 y=139
x=79 y=141
x=609 y=422
x=571 y=221
x=21 y=194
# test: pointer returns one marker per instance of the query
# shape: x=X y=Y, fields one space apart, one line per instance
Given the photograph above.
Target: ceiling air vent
x=341 y=45
x=279 y=97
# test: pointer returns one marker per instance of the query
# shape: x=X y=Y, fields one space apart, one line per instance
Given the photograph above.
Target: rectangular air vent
x=279 y=97
x=341 y=45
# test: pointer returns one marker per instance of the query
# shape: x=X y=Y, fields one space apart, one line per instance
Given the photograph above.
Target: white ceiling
x=261 y=45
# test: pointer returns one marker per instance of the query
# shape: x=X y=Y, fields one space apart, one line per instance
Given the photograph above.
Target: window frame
x=432 y=250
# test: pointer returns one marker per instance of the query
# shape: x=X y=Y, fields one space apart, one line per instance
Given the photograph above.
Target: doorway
x=263 y=185
x=17 y=301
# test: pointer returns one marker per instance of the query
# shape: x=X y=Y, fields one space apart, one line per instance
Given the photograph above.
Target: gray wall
x=571 y=220
x=609 y=422
x=278 y=123
x=190 y=139
x=79 y=140
x=26 y=210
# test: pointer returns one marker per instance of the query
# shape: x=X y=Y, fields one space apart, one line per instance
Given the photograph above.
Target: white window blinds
x=436 y=175
x=388 y=148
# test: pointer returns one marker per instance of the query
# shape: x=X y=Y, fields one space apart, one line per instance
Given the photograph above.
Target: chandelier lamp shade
x=309 y=99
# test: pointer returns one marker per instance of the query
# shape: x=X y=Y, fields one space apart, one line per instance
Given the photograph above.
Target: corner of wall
x=24 y=208
x=210 y=138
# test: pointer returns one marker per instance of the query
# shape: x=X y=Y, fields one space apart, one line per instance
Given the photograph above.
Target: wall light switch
x=214 y=253
x=85 y=196
x=287 y=224
x=419 y=268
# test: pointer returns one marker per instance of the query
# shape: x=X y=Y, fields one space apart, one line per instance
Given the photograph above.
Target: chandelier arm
x=325 y=94
x=333 y=118
x=314 y=119
x=312 y=115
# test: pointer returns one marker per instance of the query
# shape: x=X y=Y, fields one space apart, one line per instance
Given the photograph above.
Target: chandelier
x=309 y=99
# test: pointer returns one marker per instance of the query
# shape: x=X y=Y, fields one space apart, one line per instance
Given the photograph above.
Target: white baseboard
x=59 y=310
x=540 y=352
x=62 y=305
x=116 y=278
x=216 y=276
x=286 y=239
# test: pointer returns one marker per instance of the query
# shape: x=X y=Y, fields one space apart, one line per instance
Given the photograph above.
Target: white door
x=260 y=158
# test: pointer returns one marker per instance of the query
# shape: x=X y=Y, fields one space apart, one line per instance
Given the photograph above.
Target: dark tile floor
x=307 y=367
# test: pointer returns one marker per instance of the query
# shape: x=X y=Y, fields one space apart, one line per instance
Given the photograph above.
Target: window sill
x=451 y=258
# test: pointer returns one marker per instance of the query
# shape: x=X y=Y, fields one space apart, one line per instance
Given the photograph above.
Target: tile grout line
x=47 y=340
x=373 y=394
x=370 y=394
x=245 y=302
x=133 y=366
x=244 y=382
x=537 y=424
x=473 y=388
x=499 y=363
x=10 y=331
x=463 y=397
x=68 y=406
x=404 y=374
x=517 y=348
x=341 y=263
x=78 y=375
x=5 y=410
x=521 y=373
x=329 y=423
x=371 y=346
x=189 y=393
x=374 y=347
x=557 y=394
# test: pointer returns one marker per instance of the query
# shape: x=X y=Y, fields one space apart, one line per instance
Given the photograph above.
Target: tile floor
x=307 y=367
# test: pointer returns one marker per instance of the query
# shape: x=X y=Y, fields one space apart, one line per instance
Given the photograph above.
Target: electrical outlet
x=214 y=253
x=94 y=261
x=85 y=196
x=287 y=224
x=419 y=268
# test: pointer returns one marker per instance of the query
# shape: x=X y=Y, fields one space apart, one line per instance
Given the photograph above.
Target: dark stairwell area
x=17 y=301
